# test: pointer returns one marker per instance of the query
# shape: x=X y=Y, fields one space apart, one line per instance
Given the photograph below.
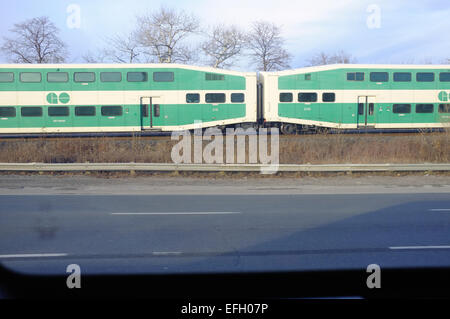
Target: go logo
x=63 y=98
x=443 y=96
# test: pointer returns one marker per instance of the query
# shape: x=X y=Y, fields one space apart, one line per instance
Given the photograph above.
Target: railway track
x=165 y=136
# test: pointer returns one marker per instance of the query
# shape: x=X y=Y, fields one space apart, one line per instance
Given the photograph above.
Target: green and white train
x=99 y=98
x=122 y=98
x=350 y=96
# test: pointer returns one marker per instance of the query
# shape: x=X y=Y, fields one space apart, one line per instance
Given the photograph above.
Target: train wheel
x=288 y=129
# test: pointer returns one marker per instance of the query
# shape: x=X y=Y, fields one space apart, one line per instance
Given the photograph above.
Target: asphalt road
x=42 y=234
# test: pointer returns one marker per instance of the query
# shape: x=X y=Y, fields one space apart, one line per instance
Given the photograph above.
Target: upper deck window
x=30 y=77
x=137 y=77
x=55 y=77
x=163 y=76
x=402 y=76
x=425 y=77
x=6 y=77
x=355 y=76
x=379 y=76
x=110 y=76
x=444 y=77
x=214 y=77
x=84 y=77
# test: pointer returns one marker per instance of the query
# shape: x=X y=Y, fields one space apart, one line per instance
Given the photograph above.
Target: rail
x=170 y=167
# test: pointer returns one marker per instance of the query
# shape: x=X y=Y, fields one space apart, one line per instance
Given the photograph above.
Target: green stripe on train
x=337 y=80
x=347 y=113
x=169 y=115
x=183 y=79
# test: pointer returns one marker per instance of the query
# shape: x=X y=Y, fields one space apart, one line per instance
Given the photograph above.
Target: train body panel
x=359 y=96
x=120 y=98
x=169 y=97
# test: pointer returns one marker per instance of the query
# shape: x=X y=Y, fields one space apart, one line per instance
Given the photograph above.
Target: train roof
x=125 y=66
x=359 y=66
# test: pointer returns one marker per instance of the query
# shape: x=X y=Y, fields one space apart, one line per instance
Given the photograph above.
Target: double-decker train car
x=77 y=98
x=350 y=96
x=101 y=98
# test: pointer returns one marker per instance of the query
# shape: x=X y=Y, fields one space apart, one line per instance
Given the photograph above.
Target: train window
x=444 y=77
x=30 y=77
x=6 y=77
x=402 y=76
x=110 y=76
x=137 y=77
x=192 y=98
x=286 y=97
x=355 y=76
x=57 y=77
x=444 y=108
x=237 y=97
x=215 y=97
x=85 y=110
x=163 y=76
x=425 y=77
x=7 y=111
x=360 y=108
x=31 y=111
x=424 y=108
x=371 y=108
x=328 y=97
x=112 y=110
x=84 y=77
x=58 y=111
x=214 y=77
x=307 y=97
x=401 y=108
x=379 y=76
x=308 y=77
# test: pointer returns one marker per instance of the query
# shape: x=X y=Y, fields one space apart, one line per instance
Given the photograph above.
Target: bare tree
x=35 y=41
x=266 y=46
x=323 y=58
x=223 y=45
x=123 y=49
x=99 y=57
x=162 y=34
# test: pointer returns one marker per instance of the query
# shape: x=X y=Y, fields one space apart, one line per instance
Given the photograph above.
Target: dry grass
x=313 y=149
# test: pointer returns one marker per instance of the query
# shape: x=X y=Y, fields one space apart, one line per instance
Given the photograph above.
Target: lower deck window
x=237 y=97
x=85 y=110
x=307 y=97
x=215 y=97
x=31 y=111
x=192 y=98
x=286 y=97
x=424 y=108
x=112 y=110
x=328 y=97
x=58 y=111
x=444 y=108
x=7 y=111
x=401 y=108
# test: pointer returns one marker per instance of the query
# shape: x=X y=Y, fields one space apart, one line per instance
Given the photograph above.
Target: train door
x=366 y=111
x=146 y=114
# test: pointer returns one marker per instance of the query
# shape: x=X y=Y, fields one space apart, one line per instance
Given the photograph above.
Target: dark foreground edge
x=275 y=286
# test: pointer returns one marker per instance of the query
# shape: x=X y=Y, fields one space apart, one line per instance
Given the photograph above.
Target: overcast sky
x=385 y=31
